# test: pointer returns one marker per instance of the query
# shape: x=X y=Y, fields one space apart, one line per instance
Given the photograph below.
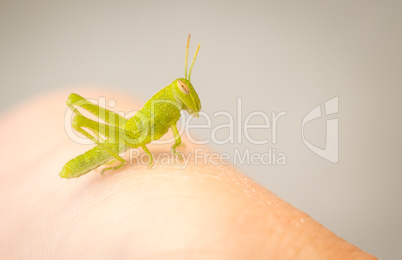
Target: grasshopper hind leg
x=75 y=101
x=80 y=122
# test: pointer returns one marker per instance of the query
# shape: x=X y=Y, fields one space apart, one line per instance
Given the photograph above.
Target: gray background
x=287 y=56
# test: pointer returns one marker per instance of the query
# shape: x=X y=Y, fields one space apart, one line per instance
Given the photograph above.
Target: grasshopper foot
x=113 y=168
x=150 y=162
x=179 y=155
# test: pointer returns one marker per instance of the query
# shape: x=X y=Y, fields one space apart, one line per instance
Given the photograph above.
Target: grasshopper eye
x=183 y=87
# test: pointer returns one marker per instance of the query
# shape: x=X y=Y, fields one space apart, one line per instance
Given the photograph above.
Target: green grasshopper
x=159 y=113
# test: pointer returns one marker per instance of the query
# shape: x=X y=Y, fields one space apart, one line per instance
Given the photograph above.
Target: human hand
x=204 y=211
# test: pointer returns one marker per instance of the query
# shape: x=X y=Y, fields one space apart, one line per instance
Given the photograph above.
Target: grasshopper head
x=184 y=91
x=186 y=96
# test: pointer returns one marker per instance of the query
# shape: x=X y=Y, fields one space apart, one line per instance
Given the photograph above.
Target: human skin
x=203 y=211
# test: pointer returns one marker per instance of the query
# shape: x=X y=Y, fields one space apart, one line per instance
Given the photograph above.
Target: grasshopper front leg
x=177 y=139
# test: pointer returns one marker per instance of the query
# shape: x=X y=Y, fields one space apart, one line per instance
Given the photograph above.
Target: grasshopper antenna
x=192 y=64
x=185 y=64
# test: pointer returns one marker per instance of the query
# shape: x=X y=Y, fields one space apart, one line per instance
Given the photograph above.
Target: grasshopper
x=159 y=113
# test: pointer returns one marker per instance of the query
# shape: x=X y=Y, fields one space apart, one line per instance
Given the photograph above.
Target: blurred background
x=276 y=56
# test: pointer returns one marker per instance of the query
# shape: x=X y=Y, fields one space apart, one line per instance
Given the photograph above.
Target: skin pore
x=200 y=212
